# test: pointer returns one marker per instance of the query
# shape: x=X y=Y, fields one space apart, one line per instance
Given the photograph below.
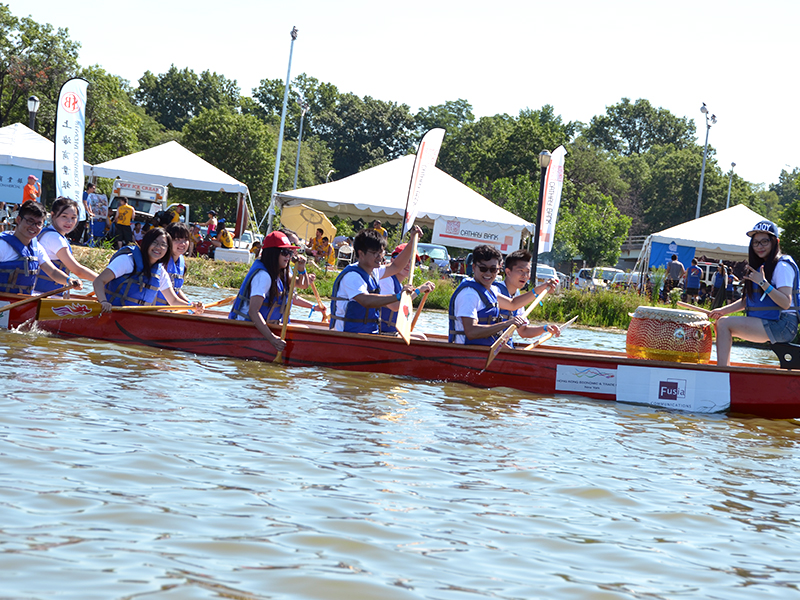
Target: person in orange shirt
x=123 y=223
x=32 y=191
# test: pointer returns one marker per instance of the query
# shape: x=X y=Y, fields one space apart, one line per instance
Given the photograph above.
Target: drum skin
x=668 y=334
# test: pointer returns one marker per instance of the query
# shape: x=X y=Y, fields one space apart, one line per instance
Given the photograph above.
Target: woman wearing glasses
x=475 y=306
x=263 y=294
x=770 y=296
x=136 y=274
x=21 y=256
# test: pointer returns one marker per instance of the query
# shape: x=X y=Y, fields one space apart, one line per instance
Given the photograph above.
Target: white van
x=145 y=198
x=595 y=279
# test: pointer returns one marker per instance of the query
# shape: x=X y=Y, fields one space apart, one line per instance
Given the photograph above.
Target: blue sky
x=581 y=56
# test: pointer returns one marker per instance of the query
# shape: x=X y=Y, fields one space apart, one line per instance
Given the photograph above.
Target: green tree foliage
x=452 y=116
x=787 y=188
x=636 y=128
x=175 y=97
x=34 y=59
x=595 y=229
x=790 y=221
x=319 y=97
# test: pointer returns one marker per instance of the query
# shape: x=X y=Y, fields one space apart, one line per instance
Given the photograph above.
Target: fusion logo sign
x=672 y=389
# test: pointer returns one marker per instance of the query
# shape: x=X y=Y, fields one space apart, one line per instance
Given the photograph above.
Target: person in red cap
x=263 y=294
x=393 y=285
x=32 y=191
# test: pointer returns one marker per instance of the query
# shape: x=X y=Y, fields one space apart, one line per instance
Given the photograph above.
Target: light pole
x=304 y=106
x=730 y=181
x=33 y=108
x=271 y=212
x=709 y=122
x=328 y=176
x=544 y=162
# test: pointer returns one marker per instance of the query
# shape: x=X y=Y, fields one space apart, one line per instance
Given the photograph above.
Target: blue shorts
x=782 y=330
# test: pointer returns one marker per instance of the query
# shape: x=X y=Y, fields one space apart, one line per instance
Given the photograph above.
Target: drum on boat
x=669 y=334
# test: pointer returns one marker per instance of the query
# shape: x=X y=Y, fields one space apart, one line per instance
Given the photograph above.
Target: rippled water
x=132 y=473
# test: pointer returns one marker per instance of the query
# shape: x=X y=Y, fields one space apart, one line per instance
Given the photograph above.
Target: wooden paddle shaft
x=419 y=310
x=35 y=298
x=286 y=310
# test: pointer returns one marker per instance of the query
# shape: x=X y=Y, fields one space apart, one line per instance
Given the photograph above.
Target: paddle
x=549 y=334
x=35 y=298
x=419 y=310
x=506 y=335
x=403 y=322
x=51 y=310
x=319 y=302
x=286 y=310
x=693 y=307
x=222 y=302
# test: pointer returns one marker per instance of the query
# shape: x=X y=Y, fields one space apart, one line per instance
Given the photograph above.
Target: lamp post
x=544 y=162
x=271 y=212
x=730 y=181
x=709 y=122
x=304 y=106
x=33 y=108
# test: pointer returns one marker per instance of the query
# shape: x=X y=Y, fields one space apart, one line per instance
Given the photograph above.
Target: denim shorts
x=782 y=330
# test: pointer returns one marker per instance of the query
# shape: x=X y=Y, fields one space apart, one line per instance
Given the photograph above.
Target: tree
x=34 y=59
x=790 y=221
x=452 y=116
x=596 y=230
x=318 y=96
x=786 y=188
x=635 y=128
x=174 y=97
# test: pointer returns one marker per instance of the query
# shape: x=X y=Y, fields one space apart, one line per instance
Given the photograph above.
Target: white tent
x=460 y=217
x=721 y=235
x=170 y=164
x=23 y=147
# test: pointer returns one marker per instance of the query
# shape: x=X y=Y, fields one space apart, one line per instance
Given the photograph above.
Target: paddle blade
x=50 y=310
x=404 y=316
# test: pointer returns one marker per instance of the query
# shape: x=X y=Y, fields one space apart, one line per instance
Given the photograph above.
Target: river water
x=132 y=473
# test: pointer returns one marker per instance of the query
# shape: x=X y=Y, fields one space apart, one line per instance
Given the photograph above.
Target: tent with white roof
x=460 y=217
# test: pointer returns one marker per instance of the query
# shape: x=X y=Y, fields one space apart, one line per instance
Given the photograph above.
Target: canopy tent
x=170 y=164
x=23 y=147
x=460 y=217
x=721 y=235
x=305 y=221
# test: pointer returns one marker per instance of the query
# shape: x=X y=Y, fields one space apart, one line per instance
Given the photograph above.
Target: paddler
x=176 y=265
x=262 y=297
x=771 y=296
x=517 y=267
x=475 y=306
x=393 y=285
x=136 y=274
x=356 y=298
x=22 y=257
x=63 y=220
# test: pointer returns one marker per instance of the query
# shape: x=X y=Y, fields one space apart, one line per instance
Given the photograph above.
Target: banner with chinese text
x=70 y=128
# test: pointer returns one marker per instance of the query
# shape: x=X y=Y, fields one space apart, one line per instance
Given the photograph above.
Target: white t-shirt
x=352 y=285
x=783 y=275
x=468 y=303
x=52 y=242
x=7 y=253
x=259 y=286
x=122 y=265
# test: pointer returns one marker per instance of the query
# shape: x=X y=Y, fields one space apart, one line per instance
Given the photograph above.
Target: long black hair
x=769 y=262
x=147 y=241
x=269 y=257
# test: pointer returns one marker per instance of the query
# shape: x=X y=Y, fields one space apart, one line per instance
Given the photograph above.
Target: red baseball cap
x=278 y=239
x=399 y=249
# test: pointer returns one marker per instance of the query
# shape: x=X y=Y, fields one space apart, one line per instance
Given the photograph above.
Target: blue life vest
x=272 y=312
x=765 y=308
x=389 y=316
x=137 y=287
x=488 y=315
x=357 y=319
x=719 y=279
x=175 y=272
x=45 y=283
x=693 y=277
x=19 y=276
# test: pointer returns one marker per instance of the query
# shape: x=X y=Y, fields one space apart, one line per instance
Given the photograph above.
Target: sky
x=502 y=57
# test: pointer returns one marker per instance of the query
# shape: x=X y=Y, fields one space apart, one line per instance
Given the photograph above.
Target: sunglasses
x=484 y=268
x=287 y=252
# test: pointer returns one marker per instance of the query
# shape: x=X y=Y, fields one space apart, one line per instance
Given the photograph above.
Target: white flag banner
x=70 y=128
x=427 y=154
x=553 y=184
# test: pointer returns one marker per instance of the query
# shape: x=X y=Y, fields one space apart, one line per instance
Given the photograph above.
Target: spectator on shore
x=32 y=191
x=675 y=270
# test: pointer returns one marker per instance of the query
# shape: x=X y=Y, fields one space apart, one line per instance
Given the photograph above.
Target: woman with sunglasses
x=771 y=296
x=475 y=306
x=22 y=257
x=263 y=294
x=63 y=220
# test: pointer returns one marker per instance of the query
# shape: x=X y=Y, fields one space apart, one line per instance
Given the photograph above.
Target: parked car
x=545 y=273
x=595 y=279
x=437 y=254
x=625 y=280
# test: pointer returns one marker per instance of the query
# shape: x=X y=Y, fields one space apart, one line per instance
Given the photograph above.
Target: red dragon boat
x=765 y=391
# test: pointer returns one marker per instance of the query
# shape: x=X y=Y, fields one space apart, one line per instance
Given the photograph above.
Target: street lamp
x=304 y=106
x=730 y=181
x=33 y=108
x=712 y=120
x=544 y=162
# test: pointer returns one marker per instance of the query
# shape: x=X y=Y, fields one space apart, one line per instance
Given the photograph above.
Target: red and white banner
x=427 y=154
x=70 y=128
x=553 y=184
